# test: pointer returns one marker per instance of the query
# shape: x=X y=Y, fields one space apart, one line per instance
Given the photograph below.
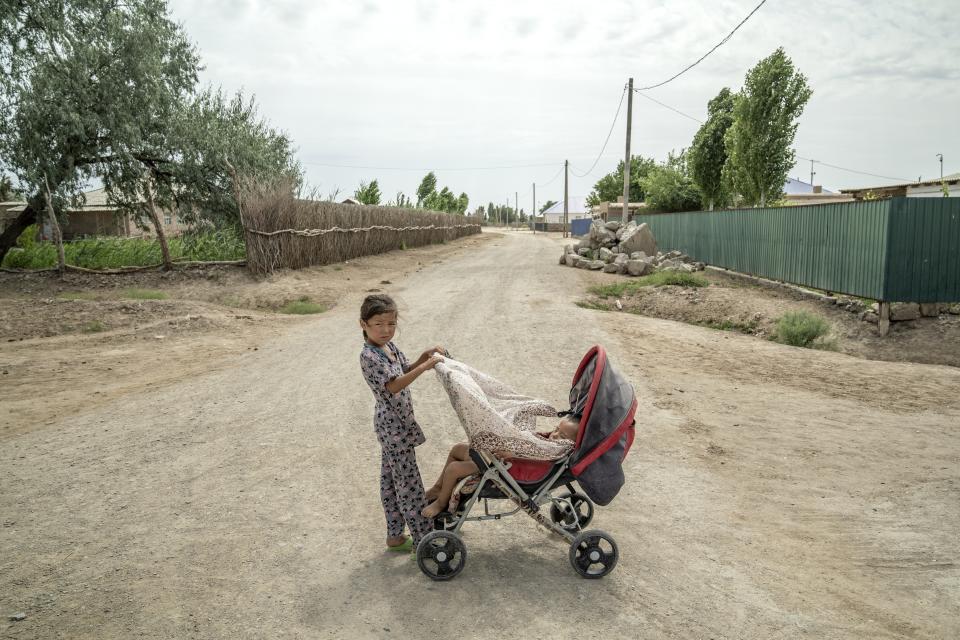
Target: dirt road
x=772 y=492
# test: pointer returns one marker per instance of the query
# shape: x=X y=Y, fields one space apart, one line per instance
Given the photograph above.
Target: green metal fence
x=899 y=249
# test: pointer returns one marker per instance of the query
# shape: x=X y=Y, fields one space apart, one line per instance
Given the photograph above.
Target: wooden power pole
x=626 y=158
x=516 y=206
x=566 y=196
x=533 y=212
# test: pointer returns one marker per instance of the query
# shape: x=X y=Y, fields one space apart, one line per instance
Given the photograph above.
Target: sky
x=493 y=96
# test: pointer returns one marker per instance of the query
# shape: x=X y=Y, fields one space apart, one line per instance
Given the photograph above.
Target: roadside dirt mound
x=734 y=304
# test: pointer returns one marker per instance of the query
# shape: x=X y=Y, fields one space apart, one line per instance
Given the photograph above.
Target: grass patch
x=111 y=252
x=731 y=325
x=658 y=279
x=94 y=327
x=303 y=306
x=144 y=294
x=590 y=304
x=77 y=295
x=800 y=328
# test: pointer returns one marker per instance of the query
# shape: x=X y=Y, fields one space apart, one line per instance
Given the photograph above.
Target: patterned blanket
x=496 y=418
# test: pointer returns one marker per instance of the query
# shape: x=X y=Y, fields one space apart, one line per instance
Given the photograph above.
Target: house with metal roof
x=925 y=189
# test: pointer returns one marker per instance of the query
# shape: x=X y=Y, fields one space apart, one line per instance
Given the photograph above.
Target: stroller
x=605 y=403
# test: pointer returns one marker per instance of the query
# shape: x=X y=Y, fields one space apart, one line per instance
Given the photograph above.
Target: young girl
x=388 y=373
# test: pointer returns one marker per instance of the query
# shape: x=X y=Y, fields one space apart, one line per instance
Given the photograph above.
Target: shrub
x=657 y=279
x=144 y=294
x=303 y=306
x=800 y=328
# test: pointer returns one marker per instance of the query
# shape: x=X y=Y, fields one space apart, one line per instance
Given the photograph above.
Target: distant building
x=925 y=189
x=614 y=210
x=577 y=210
x=798 y=192
x=350 y=201
x=97 y=217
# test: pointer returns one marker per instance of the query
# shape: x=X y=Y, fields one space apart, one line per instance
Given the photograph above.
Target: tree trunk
x=711 y=204
x=161 y=237
x=13 y=230
x=57 y=235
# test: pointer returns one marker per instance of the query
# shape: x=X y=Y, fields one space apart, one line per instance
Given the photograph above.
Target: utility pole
x=941 y=166
x=626 y=158
x=516 y=206
x=566 y=196
x=507 y=209
x=812 y=172
x=533 y=212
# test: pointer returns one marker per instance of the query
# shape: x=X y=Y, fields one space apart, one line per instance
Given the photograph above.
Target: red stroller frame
x=606 y=404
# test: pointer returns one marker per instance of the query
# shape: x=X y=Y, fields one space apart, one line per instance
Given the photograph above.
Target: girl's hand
x=429 y=352
x=430 y=362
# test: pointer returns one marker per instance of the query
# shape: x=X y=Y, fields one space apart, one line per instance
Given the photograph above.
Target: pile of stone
x=629 y=250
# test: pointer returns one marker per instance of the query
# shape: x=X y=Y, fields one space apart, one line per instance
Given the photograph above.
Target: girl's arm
x=400 y=383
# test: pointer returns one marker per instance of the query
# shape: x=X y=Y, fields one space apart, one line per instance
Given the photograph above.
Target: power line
x=701 y=59
x=662 y=104
x=604 y=148
x=351 y=166
x=873 y=175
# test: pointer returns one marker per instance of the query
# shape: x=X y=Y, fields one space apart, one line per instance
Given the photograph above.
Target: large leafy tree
x=759 y=143
x=708 y=154
x=368 y=193
x=108 y=89
x=81 y=84
x=548 y=204
x=427 y=186
x=669 y=186
x=610 y=187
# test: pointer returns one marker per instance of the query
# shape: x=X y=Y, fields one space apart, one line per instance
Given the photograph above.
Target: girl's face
x=381 y=327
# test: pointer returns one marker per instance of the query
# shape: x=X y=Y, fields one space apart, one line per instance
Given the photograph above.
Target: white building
x=577 y=210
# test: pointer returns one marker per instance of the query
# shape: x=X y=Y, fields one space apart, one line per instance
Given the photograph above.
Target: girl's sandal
x=403 y=547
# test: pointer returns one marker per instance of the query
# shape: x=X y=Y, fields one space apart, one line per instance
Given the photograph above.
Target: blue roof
x=797 y=187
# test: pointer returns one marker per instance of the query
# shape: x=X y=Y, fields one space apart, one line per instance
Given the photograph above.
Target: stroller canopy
x=606 y=404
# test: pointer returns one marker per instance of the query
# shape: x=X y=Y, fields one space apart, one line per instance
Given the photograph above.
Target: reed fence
x=284 y=232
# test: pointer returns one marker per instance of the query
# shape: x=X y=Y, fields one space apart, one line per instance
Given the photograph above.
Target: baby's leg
x=451 y=475
x=458 y=453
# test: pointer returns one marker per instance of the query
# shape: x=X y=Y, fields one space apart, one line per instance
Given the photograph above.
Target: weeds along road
x=772 y=492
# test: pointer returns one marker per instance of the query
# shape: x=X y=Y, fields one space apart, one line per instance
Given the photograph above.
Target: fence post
x=883 y=324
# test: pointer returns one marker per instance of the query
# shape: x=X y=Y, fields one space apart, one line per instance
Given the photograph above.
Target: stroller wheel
x=441 y=555
x=593 y=553
x=572 y=519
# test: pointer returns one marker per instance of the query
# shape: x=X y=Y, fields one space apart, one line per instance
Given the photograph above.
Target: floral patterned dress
x=401 y=488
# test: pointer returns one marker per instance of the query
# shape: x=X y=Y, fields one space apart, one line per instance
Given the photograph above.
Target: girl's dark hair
x=374 y=305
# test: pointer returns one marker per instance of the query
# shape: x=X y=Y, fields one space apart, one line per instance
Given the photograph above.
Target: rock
x=638 y=255
x=613 y=225
x=600 y=236
x=619 y=305
x=954 y=309
x=615 y=249
x=621 y=259
x=699 y=266
x=563 y=258
x=900 y=311
x=639 y=267
x=568 y=248
x=611 y=267
x=583 y=251
x=638 y=239
x=870 y=316
x=671 y=265
x=606 y=255
x=572 y=259
x=929 y=309
x=596 y=265
x=623 y=229
x=17 y=617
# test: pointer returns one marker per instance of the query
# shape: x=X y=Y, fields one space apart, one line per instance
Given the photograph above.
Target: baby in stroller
x=459 y=465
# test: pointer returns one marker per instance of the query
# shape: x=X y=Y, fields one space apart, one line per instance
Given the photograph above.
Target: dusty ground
x=773 y=492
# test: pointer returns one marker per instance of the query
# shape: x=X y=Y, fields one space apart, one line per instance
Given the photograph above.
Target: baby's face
x=566 y=430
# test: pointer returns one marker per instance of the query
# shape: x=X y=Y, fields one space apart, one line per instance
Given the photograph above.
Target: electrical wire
x=872 y=175
x=351 y=166
x=701 y=59
x=612 y=125
x=663 y=104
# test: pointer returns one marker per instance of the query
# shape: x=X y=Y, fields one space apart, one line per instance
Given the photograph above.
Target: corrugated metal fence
x=899 y=249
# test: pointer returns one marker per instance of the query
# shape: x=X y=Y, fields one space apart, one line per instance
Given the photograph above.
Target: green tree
x=427 y=186
x=708 y=153
x=550 y=203
x=81 y=82
x=462 y=203
x=368 y=193
x=760 y=140
x=669 y=186
x=610 y=187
